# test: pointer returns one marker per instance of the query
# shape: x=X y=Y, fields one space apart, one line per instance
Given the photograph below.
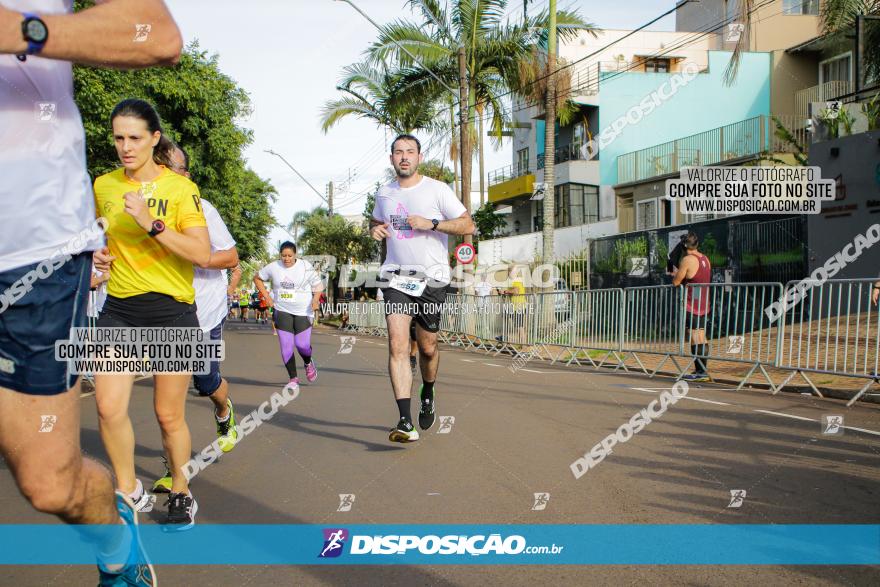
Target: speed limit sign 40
x=465 y=253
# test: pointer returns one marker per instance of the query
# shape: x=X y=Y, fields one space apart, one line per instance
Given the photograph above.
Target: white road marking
x=533 y=371
x=853 y=428
x=648 y=389
x=793 y=417
x=705 y=401
x=469 y=360
x=862 y=430
x=492 y=365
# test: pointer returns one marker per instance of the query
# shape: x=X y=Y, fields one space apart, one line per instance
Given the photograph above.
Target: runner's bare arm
x=227 y=259
x=460 y=226
x=234 y=279
x=103 y=35
x=193 y=244
x=687 y=262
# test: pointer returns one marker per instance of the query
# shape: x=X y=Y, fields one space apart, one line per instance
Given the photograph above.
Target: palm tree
x=372 y=91
x=297 y=224
x=492 y=48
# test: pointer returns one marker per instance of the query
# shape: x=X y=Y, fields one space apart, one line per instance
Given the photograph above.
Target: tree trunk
x=464 y=122
x=482 y=165
x=550 y=140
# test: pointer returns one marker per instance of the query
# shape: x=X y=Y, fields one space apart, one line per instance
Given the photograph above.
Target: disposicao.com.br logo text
x=393 y=544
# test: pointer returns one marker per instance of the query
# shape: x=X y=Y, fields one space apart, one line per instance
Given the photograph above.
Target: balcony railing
x=746 y=138
x=820 y=93
x=509 y=172
x=570 y=152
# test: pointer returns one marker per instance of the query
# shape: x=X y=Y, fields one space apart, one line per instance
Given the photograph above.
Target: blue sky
x=288 y=55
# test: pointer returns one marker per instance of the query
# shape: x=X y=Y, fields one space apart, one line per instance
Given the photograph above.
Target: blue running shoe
x=138 y=571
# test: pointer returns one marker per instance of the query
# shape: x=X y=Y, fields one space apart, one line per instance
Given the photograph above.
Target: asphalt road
x=514 y=435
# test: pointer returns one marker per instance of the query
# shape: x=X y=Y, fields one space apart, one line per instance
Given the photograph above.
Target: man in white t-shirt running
x=212 y=291
x=45 y=265
x=296 y=294
x=414 y=214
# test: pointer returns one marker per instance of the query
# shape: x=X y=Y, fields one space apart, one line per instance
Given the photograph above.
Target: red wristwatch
x=158 y=226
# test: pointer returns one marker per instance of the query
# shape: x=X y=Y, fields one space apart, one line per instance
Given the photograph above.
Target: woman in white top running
x=296 y=289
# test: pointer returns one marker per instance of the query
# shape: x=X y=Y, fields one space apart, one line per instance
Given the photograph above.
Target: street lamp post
x=320 y=195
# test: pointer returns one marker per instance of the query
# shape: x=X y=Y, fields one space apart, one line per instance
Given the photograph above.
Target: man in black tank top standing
x=695 y=269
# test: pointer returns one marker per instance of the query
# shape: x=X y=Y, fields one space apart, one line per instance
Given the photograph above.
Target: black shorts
x=699 y=321
x=425 y=309
x=149 y=310
x=31 y=323
x=291 y=322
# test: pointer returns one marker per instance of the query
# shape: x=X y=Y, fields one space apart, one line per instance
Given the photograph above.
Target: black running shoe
x=404 y=432
x=426 y=411
x=182 y=510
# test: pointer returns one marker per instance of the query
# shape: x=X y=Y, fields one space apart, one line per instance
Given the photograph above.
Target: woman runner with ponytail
x=157 y=231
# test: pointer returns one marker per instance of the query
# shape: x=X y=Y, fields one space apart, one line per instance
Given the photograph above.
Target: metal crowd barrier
x=833 y=330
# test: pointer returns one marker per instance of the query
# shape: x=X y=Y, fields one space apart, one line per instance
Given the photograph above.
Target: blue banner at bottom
x=456 y=544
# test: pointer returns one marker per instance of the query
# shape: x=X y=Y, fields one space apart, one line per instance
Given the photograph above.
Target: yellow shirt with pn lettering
x=143 y=265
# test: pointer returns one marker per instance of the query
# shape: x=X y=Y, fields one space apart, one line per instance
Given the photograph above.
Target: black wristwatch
x=35 y=32
x=158 y=227
x=436 y=223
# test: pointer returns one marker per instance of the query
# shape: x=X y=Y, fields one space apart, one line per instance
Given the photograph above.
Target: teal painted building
x=656 y=114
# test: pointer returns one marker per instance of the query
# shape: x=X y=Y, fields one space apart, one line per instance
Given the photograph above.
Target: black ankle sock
x=403 y=408
x=704 y=350
x=428 y=390
x=307 y=360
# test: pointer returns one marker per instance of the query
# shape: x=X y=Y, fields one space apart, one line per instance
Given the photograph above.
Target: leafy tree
x=333 y=235
x=488 y=221
x=199 y=106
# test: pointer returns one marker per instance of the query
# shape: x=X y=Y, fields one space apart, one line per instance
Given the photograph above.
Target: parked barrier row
x=831 y=327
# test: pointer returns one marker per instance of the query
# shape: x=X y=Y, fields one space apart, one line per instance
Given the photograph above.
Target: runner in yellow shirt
x=157 y=230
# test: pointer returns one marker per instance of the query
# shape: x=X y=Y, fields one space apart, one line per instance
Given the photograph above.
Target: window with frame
x=576 y=204
x=522 y=161
x=646 y=214
x=657 y=66
x=837 y=69
x=800 y=7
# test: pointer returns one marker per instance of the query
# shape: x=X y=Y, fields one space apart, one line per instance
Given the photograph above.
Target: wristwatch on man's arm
x=35 y=33
x=436 y=223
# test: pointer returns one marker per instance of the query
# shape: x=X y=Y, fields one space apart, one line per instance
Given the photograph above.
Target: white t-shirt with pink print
x=424 y=250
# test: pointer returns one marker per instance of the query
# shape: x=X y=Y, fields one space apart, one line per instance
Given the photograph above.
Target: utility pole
x=550 y=140
x=464 y=127
x=330 y=197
